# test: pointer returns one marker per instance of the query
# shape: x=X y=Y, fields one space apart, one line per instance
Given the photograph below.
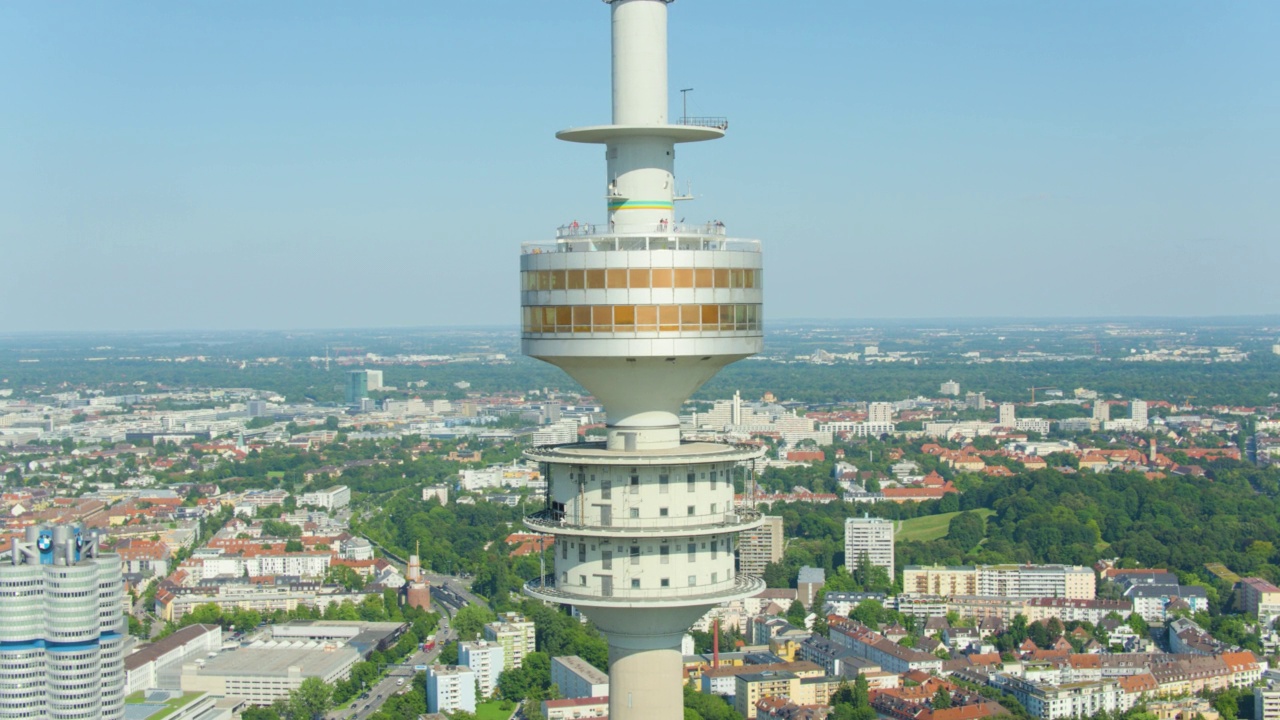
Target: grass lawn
x=175 y=704
x=275 y=474
x=136 y=698
x=492 y=710
x=931 y=527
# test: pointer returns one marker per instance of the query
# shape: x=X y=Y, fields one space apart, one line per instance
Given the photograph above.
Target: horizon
x=311 y=166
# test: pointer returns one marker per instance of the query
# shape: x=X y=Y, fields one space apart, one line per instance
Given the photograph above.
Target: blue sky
x=317 y=164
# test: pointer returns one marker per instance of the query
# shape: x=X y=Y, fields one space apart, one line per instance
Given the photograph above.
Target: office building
x=760 y=546
x=950 y=387
x=868 y=539
x=373 y=380
x=450 y=688
x=61 y=627
x=357 y=386
x=641 y=311
x=485 y=660
x=578 y=678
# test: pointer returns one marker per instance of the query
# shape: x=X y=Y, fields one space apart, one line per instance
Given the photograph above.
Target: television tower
x=641 y=312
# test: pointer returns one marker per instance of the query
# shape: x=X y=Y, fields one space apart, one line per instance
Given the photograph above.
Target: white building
x=450 y=688
x=439 y=492
x=1030 y=425
x=871 y=538
x=1008 y=416
x=1138 y=412
x=950 y=387
x=338 y=496
x=265 y=672
x=578 y=678
x=880 y=412
x=760 y=546
x=559 y=433
x=1077 y=699
x=485 y=660
x=1101 y=410
x=1266 y=701
x=144 y=666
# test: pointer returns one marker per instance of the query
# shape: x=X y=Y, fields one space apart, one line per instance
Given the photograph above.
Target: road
x=363 y=708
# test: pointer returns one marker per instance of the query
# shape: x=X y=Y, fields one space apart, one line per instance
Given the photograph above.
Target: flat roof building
x=450 y=688
x=578 y=678
x=267 y=671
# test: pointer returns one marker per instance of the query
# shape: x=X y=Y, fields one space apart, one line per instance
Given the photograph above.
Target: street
x=363 y=708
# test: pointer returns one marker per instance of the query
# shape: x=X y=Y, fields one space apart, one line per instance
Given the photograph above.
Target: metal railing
x=742 y=584
x=674 y=240
x=719 y=123
x=557 y=520
x=586 y=230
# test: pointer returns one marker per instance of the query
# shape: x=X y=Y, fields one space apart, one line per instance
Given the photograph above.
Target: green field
x=931 y=527
x=492 y=710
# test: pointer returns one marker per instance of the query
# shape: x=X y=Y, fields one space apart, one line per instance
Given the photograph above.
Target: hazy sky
x=315 y=164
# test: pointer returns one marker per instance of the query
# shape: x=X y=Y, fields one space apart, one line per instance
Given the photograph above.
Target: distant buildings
x=1259 y=597
x=880 y=412
x=1008 y=416
x=450 y=688
x=868 y=539
x=334 y=498
x=143 y=667
x=950 y=387
x=357 y=386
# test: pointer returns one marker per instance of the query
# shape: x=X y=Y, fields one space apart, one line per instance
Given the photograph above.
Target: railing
x=586 y=230
x=719 y=123
x=556 y=520
x=742 y=584
x=679 y=239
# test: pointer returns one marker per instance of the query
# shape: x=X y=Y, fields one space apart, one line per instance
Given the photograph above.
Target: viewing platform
x=742 y=586
x=598 y=238
x=595 y=453
x=559 y=523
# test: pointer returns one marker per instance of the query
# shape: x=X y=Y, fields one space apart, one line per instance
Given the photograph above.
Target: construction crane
x=1034 y=389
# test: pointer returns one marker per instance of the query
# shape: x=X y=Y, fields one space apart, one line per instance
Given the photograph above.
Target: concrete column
x=645 y=684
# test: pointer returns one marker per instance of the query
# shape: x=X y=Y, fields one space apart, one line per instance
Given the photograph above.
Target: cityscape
x=646 y=494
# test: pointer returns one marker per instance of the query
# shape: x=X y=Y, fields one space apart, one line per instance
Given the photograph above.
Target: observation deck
x=596 y=453
x=559 y=523
x=742 y=586
x=685 y=130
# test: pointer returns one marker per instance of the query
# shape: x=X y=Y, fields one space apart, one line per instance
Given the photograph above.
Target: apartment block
x=578 y=678
x=485 y=660
x=515 y=634
x=450 y=688
x=760 y=546
x=869 y=538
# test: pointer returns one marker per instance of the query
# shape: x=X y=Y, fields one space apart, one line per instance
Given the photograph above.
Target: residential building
x=575 y=708
x=808 y=582
x=1020 y=581
x=880 y=412
x=868 y=539
x=485 y=660
x=873 y=646
x=450 y=688
x=338 y=496
x=578 y=678
x=1008 y=416
x=950 y=387
x=1266 y=702
x=1076 y=699
x=515 y=634
x=61 y=627
x=750 y=688
x=837 y=602
x=1101 y=411
x=760 y=546
x=1138 y=412
x=1259 y=597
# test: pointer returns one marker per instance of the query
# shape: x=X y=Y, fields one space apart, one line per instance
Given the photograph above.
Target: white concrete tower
x=642 y=311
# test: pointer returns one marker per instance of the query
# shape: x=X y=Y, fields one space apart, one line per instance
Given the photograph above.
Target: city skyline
x=246 y=167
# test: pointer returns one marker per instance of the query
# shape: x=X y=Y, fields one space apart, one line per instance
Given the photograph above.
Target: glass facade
x=641 y=278
x=640 y=318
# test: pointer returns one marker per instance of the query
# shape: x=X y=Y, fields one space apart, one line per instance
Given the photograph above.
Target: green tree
x=312 y=699
x=941 y=699
x=470 y=620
